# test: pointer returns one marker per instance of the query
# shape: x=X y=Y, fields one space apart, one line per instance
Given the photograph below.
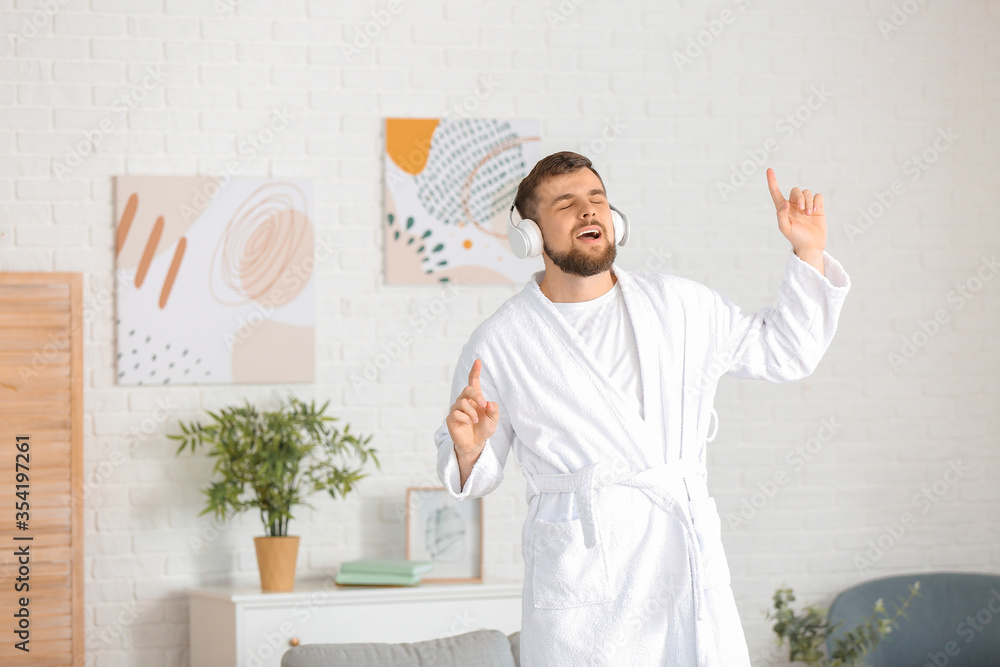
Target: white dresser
x=243 y=627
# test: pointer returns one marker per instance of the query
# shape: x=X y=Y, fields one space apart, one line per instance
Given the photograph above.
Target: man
x=601 y=382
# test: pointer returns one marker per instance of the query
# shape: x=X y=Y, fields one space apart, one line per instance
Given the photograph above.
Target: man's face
x=568 y=205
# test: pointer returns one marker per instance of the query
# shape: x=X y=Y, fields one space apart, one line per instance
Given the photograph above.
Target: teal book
x=373 y=579
x=396 y=566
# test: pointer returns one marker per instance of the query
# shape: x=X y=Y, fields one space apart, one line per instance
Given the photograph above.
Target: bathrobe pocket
x=708 y=528
x=566 y=573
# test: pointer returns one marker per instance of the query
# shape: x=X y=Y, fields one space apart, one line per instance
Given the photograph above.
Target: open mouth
x=590 y=235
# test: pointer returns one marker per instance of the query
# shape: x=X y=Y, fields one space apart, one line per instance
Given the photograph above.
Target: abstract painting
x=449 y=184
x=214 y=283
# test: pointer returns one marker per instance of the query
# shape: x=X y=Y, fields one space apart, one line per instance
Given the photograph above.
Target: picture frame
x=446 y=532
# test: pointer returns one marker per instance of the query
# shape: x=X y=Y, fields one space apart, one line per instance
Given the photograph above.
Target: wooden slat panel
x=57 y=439
x=9 y=341
x=44 y=469
x=36 y=319
x=33 y=358
x=48 y=468
x=18 y=381
x=50 y=582
x=58 y=622
x=35 y=292
x=57 y=554
x=14 y=407
x=53 y=422
x=41 y=395
x=49 y=435
x=28 y=306
x=40 y=503
x=35 y=333
x=62 y=553
x=33 y=374
x=42 y=539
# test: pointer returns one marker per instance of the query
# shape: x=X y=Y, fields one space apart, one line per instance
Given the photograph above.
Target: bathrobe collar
x=642 y=430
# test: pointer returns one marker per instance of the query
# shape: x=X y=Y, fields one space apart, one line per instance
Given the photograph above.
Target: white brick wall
x=69 y=65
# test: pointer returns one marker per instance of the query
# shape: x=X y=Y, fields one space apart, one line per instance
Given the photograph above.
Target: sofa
x=955 y=622
x=480 y=648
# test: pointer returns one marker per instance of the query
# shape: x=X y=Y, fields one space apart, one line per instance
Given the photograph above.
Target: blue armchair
x=955 y=622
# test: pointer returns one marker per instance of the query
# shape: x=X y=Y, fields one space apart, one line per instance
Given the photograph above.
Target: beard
x=583 y=261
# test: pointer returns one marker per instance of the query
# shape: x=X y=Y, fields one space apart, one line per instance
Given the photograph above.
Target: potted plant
x=271 y=461
x=806 y=633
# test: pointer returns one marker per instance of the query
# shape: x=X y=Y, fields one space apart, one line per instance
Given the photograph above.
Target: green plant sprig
x=281 y=456
x=806 y=633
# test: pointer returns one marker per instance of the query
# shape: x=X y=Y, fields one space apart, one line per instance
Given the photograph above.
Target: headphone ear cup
x=534 y=235
x=525 y=238
x=620 y=222
x=619 y=226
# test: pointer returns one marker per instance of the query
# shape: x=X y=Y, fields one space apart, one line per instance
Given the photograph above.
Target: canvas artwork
x=449 y=184
x=214 y=285
x=446 y=532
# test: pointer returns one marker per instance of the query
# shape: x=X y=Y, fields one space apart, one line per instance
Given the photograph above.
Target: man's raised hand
x=472 y=419
x=802 y=219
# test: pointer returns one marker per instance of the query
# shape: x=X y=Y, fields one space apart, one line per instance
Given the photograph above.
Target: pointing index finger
x=477 y=366
x=772 y=185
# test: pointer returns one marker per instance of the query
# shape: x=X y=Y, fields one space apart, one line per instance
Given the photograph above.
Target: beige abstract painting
x=449 y=184
x=214 y=284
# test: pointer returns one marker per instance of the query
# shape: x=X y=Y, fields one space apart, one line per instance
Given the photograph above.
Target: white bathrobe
x=623 y=557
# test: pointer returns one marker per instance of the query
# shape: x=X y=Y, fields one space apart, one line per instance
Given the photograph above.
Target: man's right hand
x=472 y=419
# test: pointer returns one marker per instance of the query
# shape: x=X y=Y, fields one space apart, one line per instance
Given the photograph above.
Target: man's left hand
x=802 y=219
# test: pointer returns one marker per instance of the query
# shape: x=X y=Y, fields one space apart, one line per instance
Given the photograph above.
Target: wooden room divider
x=41 y=469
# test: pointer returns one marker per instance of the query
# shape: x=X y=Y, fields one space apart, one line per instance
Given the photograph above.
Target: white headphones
x=526 y=239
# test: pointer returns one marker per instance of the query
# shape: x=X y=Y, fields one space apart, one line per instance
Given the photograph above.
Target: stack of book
x=382 y=572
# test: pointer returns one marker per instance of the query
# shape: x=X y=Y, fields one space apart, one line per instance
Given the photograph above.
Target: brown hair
x=557 y=164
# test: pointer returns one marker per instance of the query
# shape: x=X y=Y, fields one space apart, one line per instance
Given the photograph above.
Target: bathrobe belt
x=669 y=479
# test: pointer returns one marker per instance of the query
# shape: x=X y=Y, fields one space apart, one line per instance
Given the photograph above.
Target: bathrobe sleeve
x=487 y=472
x=787 y=341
